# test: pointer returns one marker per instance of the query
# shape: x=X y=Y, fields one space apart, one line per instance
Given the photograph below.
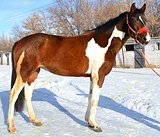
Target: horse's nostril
x=144 y=38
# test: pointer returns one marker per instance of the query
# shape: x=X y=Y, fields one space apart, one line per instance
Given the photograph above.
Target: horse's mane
x=109 y=24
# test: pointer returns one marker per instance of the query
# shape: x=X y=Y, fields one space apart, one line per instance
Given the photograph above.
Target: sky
x=13 y=12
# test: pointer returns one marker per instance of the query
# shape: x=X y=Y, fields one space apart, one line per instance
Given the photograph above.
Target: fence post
x=7 y=55
x=1 y=56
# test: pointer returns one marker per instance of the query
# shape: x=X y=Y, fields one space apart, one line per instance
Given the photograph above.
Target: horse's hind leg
x=16 y=89
x=19 y=84
x=28 y=96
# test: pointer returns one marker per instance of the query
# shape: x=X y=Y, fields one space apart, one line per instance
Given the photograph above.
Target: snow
x=128 y=107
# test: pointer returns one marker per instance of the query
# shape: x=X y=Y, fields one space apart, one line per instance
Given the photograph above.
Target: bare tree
x=73 y=17
x=18 y=33
x=154 y=22
x=37 y=22
x=5 y=43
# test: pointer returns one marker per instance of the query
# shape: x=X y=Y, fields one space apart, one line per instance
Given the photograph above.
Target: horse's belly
x=69 y=67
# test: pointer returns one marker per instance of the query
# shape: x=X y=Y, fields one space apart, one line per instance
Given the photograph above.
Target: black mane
x=109 y=24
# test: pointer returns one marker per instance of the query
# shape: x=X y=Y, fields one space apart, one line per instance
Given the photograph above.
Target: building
x=130 y=57
x=5 y=58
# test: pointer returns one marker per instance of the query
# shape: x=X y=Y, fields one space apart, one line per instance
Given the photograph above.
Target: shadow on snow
x=41 y=95
x=46 y=95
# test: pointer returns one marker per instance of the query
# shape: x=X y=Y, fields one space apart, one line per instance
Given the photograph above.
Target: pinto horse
x=91 y=54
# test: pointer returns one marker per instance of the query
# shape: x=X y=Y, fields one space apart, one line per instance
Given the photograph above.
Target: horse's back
x=66 y=55
x=57 y=54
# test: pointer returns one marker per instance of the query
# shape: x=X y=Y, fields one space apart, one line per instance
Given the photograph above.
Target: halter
x=143 y=29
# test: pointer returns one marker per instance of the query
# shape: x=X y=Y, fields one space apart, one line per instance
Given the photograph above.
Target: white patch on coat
x=140 y=18
x=28 y=96
x=28 y=91
x=96 y=54
x=93 y=99
x=15 y=91
x=148 y=37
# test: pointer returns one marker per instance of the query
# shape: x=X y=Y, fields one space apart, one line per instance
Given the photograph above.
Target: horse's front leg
x=93 y=98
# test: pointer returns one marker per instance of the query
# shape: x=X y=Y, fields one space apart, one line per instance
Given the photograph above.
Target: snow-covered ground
x=129 y=105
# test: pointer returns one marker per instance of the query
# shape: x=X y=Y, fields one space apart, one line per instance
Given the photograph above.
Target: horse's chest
x=96 y=55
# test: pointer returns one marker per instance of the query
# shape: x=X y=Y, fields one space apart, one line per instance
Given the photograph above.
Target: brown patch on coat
x=33 y=77
x=106 y=67
x=35 y=46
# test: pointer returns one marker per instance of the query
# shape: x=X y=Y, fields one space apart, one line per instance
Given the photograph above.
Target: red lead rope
x=144 y=29
x=129 y=27
x=148 y=63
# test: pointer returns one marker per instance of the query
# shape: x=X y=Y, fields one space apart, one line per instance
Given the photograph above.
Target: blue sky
x=13 y=12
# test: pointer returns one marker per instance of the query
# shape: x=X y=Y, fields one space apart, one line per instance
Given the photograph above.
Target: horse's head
x=137 y=24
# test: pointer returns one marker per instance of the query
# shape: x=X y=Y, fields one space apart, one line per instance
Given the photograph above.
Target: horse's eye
x=135 y=20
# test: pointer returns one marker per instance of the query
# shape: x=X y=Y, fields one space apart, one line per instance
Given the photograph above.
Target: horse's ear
x=143 y=8
x=133 y=8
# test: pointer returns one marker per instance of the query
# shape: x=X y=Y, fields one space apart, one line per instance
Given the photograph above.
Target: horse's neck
x=119 y=31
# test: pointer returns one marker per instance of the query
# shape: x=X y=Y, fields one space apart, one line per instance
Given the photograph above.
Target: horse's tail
x=20 y=101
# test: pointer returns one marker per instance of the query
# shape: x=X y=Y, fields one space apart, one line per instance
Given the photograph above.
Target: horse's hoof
x=97 y=129
x=12 y=130
x=90 y=125
x=38 y=123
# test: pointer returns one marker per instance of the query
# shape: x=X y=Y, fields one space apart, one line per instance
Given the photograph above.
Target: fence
x=130 y=56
